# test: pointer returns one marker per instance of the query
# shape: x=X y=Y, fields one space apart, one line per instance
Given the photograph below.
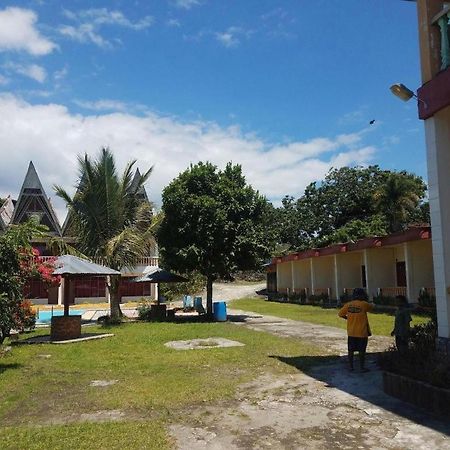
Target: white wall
x=380 y=268
x=323 y=268
x=284 y=277
x=302 y=275
x=349 y=270
x=437 y=134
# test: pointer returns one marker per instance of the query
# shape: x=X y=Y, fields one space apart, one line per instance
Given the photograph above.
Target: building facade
x=434 y=109
x=398 y=264
x=34 y=203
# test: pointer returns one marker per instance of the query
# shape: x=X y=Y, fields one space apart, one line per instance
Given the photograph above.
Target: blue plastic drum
x=220 y=311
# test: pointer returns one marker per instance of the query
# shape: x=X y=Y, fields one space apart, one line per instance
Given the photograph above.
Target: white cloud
x=173 y=23
x=3 y=80
x=18 y=32
x=231 y=37
x=59 y=75
x=186 y=4
x=33 y=71
x=52 y=136
x=89 y=22
x=110 y=105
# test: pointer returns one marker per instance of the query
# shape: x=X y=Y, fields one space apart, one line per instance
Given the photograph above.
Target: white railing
x=144 y=261
x=392 y=291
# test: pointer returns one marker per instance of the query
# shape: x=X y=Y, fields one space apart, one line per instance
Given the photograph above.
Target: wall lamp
x=405 y=94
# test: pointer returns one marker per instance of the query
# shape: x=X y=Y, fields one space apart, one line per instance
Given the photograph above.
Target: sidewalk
x=322 y=406
x=330 y=339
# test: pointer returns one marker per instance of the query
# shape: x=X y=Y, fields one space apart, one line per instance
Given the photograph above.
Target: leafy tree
x=358 y=229
x=15 y=270
x=398 y=198
x=110 y=220
x=352 y=202
x=214 y=223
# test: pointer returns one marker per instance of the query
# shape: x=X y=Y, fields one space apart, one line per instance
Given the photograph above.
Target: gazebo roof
x=73 y=265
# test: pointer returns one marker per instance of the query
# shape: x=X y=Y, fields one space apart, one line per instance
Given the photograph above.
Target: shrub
x=422 y=361
x=144 y=310
x=25 y=317
x=384 y=300
x=319 y=299
x=426 y=300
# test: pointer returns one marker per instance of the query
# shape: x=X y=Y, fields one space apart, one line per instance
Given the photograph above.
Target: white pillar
x=368 y=272
x=337 y=277
x=437 y=134
x=277 y=265
x=410 y=285
x=292 y=277
x=313 y=281
x=61 y=292
x=107 y=295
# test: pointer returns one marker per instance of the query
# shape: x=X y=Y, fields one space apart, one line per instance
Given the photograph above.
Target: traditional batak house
x=34 y=203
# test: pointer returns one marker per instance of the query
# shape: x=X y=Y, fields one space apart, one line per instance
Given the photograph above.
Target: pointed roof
x=33 y=202
x=141 y=193
x=6 y=212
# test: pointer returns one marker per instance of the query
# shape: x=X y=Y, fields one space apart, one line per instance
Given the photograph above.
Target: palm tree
x=397 y=199
x=111 y=220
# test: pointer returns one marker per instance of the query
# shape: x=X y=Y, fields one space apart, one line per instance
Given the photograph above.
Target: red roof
x=411 y=234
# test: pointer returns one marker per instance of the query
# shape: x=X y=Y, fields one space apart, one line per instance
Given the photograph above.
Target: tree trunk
x=209 y=297
x=114 y=297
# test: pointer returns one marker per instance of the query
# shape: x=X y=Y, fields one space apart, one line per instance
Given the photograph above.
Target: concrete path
x=324 y=407
x=330 y=339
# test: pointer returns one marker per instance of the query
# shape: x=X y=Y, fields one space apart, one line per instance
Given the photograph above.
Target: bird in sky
x=372 y=122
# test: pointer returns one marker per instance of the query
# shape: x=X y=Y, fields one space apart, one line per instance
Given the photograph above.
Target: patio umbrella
x=158 y=275
x=68 y=265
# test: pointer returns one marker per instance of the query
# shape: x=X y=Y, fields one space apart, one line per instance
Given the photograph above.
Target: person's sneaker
x=364 y=370
x=351 y=369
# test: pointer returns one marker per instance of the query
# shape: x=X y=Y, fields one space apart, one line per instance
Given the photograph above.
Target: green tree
x=110 y=220
x=15 y=249
x=352 y=201
x=213 y=223
x=399 y=199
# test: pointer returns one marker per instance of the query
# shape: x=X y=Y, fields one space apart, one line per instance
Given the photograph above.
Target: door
x=401 y=273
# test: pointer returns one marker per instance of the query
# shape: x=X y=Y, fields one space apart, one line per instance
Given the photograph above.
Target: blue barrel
x=220 y=311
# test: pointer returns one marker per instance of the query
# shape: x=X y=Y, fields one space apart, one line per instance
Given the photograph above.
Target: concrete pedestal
x=65 y=327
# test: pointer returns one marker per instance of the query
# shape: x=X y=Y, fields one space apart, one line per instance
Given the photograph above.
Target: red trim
x=434 y=95
x=412 y=234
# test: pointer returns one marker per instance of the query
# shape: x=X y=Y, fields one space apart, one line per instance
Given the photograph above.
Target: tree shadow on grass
x=333 y=372
x=5 y=366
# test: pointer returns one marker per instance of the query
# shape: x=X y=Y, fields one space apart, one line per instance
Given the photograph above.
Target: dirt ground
x=325 y=407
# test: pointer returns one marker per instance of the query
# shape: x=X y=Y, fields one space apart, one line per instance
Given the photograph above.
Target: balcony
x=435 y=94
x=442 y=20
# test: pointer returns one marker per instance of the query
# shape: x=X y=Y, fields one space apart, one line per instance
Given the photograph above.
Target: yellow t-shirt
x=356 y=313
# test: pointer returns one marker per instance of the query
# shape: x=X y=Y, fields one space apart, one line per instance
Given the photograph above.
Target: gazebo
x=66 y=326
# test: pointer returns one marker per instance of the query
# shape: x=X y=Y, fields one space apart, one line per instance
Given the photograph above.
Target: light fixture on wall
x=405 y=94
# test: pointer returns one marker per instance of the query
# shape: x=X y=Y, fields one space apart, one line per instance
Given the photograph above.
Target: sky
x=286 y=88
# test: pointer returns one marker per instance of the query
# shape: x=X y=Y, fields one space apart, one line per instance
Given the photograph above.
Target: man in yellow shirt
x=358 y=329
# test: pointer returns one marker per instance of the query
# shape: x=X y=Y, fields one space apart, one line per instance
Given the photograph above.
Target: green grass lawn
x=154 y=383
x=380 y=323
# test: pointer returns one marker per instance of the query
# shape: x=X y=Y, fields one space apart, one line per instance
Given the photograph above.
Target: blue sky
x=287 y=88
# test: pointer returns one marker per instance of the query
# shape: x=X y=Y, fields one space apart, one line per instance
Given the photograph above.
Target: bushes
x=25 y=318
x=144 y=310
x=319 y=299
x=384 y=300
x=422 y=361
x=426 y=300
